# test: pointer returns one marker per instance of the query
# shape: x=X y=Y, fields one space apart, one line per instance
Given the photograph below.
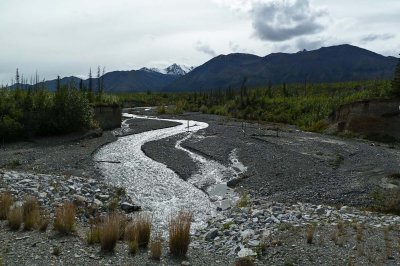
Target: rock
x=247 y=234
x=246 y=252
x=128 y=207
x=98 y=203
x=254 y=243
x=185 y=263
x=210 y=235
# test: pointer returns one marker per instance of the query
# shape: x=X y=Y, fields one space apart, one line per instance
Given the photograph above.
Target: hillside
x=327 y=64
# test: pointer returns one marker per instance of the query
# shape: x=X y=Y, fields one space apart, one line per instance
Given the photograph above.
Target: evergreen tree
x=58 y=83
x=396 y=81
x=90 y=92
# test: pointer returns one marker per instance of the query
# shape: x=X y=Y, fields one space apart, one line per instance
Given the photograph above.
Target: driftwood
x=107 y=162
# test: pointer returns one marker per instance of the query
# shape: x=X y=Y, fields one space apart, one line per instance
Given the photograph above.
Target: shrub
x=156 y=247
x=31 y=214
x=64 y=221
x=14 y=218
x=179 y=233
x=6 y=201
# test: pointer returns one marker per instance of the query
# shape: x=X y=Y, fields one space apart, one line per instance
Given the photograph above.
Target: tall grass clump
x=14 y=218
x=140 y=228
x=31 y=213
x=64 y=221
x=6 y=201
x=112 y=229
x=156 y=247
x=179 y=233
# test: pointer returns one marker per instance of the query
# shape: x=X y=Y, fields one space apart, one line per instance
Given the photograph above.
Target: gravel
x=294 y=179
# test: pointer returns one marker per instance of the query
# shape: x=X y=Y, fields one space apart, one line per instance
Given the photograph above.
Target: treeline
x=305 y=105
x=29 y=111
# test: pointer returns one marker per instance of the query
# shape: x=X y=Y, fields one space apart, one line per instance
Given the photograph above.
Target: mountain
x=144 y=79
x=327 y=64
x=174 y=69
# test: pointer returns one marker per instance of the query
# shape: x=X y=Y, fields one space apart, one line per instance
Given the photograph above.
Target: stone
x=247 y=234
x=185 y=263
x=210 y=235
x=254 y=243
x=246 y=252
x=128 y=207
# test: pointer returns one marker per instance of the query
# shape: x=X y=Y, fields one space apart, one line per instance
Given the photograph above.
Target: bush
x=6 y=201
x=64 y=221
x=179 y=233
x=14 y=218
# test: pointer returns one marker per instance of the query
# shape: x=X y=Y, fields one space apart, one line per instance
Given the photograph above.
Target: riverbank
x=290 y=174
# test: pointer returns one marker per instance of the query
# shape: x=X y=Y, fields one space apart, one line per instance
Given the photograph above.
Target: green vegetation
x=28 y=111
x=304 y=105
x=396 y=81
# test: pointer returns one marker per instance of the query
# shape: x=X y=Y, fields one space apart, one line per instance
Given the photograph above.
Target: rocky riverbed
x=294 y=181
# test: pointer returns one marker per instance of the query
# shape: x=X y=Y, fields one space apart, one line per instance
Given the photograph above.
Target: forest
x=30 y=111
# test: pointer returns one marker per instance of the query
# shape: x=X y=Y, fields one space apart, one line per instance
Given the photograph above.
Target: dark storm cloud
x=281 y=21
x=375 y=37
x=205 y=48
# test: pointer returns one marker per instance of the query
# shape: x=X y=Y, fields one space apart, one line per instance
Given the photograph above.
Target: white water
x=157 y=188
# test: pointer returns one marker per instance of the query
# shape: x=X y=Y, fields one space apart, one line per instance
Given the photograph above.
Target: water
x=156 y=187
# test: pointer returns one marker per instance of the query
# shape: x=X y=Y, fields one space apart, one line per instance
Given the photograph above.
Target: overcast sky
x=66 y=38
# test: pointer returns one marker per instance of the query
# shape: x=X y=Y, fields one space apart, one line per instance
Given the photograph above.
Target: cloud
x=375 y=37
x=303 y=43
x=284 y=20
x=205 y=48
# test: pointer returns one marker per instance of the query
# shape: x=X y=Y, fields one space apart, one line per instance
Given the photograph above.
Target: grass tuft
x=179 y=233
x=111 y=231
x=6 y=201
x=31 y=213
x=156 y=247
x=310 y=233
x=64 y=221
x=133 y=247
x=93 y=235
x=140 y=229
x=15 y=218
x=244 y=200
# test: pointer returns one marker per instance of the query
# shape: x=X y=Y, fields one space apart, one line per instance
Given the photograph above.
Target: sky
x=58 y=37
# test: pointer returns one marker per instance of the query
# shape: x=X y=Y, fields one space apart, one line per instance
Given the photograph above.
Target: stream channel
x=159 y=189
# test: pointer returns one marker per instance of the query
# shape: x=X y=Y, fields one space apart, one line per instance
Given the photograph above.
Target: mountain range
x=327 y=64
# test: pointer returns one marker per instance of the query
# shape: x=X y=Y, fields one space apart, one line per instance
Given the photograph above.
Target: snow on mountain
x=174 y=69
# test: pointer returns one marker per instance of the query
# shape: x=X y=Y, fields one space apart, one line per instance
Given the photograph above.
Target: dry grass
x=93 y=235
x=179 y=233
x=133 y=247
x=140 y=229
x=64 y=221
x=246 y=261
x=310 y=233
x=14 y=218
x=6 y=201
x=112 y=229
x=340 y=227
x=360 y=233
x=31 y=213
x=44 y=222
x=156 y=247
